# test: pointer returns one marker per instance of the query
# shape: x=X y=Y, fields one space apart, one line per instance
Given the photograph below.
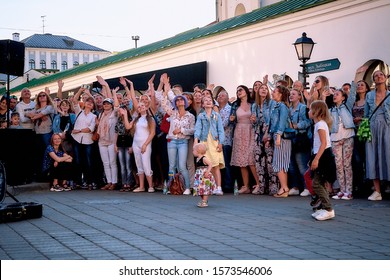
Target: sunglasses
x=317 y=81
x=42 y=95
x=240 y=89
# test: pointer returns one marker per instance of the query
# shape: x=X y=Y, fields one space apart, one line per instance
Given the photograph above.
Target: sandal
x=112 y=187
x=138 y=190
x=106 y=187
x=202 y=204
x=283 y=194
x=125 y=188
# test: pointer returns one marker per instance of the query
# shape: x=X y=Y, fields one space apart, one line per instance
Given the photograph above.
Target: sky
x=105 y=24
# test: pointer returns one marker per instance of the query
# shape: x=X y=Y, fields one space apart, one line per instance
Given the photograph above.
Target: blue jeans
x=125 y=165
x=83 y=160
x=227 y=171
x=297 y=168
x=177 y=153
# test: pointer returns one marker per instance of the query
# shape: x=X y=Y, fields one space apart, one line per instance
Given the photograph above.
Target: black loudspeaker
x=11 y=57
x=17 y=152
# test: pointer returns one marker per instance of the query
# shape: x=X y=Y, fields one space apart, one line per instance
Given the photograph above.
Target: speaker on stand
x=11 y=62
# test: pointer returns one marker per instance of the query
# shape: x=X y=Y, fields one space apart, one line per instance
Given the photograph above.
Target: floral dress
x=203 y=186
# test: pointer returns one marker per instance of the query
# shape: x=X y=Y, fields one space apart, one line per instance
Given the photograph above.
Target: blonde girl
x=322 y=163
x=204 y=183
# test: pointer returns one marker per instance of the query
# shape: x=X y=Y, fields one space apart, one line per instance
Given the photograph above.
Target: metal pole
x=304 y=72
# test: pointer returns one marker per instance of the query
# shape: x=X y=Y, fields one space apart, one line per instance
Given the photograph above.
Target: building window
x=75 y=64
x=43 y=64
x=54 y=64
x=31 y=64
x=64 y=65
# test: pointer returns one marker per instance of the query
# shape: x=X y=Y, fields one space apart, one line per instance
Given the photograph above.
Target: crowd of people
x=264 y=139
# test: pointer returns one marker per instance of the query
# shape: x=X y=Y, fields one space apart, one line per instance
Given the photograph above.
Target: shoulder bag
x=364 y=131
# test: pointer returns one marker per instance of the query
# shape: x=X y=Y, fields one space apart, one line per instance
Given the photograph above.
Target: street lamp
x=135 y=38
x=304 y=46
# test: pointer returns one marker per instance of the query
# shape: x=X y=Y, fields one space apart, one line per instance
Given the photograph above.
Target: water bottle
x=165 y=188
x=235 y=188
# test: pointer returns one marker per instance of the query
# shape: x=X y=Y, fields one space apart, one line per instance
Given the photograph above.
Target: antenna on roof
x=43 y=24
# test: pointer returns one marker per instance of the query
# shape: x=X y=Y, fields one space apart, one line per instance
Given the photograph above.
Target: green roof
x=260 y=15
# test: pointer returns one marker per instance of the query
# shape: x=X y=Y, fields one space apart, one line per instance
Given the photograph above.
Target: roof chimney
x=15 y=36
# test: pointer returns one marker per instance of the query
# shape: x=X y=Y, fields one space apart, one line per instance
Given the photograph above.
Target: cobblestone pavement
x=151 y=226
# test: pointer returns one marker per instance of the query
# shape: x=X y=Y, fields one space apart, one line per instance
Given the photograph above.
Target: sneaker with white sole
x=187 y=192
x=347 y=196
x=218 y=191
x=339 y=195
x=316 y=213
x=375 y=196
x=325 y=215
x=293 y=191
x=150 y=190
x=305 y=193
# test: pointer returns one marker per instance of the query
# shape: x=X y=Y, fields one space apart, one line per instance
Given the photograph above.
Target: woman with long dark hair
x=243 y=150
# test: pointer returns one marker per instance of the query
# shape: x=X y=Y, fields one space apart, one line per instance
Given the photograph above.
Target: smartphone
x=86 y=86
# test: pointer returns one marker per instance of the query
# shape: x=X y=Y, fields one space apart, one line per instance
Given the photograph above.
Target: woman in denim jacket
x=378 y=149
x=261 y=110
x=278 y=127
x=209 y=130
x=63 y=123
x=342 y=135
x=301 y=150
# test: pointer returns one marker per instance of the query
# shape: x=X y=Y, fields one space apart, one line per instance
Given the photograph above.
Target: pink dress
x=243 y=153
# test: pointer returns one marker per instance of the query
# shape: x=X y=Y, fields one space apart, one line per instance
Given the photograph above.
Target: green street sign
x=322 y=66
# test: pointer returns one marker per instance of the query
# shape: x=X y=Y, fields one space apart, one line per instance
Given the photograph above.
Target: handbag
x=95 y=135
x=288 y=135
x=364 y=130
x=301 y=141
x=165 y=124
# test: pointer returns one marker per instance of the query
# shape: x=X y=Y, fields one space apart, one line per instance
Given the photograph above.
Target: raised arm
x=105 y=86
x=132 y=93
x=115 y=97
x=153 y=105
x=60 y=84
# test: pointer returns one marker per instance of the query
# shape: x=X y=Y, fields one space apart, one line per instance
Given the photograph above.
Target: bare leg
x=254 y=173
x=141 y=181
x=217 y=175
x=245 y=176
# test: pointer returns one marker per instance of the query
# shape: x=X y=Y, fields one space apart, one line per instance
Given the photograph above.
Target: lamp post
x=135 y=38
x=304 y=46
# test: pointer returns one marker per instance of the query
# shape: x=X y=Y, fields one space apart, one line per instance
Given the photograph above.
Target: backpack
x=176 y=184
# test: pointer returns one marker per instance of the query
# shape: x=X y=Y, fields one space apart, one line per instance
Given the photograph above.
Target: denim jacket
x=344 y=112
x=279 y=119
x=266 y=110
x=370 y=106
x=203 y=125
x=57 y=122
x=299 y=117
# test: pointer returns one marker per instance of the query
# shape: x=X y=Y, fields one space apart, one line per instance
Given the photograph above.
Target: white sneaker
x=218 y=191
x=305 y=193
x=293 y=191
x=150 y=190
x=375 y=196
x=325 y=215
x=187 y=192
x=316 y=213
x=339 y=195
x=347 y=196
